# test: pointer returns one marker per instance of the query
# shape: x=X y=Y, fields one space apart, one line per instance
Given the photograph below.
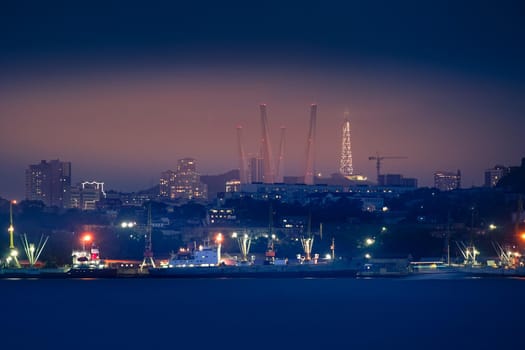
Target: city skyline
x=125 y=99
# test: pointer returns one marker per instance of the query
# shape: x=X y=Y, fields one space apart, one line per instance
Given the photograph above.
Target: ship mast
x=270 y=249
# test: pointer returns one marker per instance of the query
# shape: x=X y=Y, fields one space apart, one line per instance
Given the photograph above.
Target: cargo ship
x=87 y=263
x=205 y=261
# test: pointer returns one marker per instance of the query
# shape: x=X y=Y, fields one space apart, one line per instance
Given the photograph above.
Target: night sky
x=124 y=89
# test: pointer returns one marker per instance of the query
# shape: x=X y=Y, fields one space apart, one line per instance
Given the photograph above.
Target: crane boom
x=378 y=160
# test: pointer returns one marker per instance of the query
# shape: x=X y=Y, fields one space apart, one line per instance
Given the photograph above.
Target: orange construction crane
x=378 y=160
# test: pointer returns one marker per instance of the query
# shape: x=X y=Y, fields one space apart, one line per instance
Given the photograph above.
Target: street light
x=369 y=241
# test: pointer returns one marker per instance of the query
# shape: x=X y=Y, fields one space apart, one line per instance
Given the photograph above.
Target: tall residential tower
x=49 y=182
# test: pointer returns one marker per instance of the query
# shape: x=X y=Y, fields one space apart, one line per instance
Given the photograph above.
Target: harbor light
x=219 y=238
x=522 y=236
x=128 y=224
x=369 y=241
x=234 y=235
x=86 y=239
x=383 y=229
x=14 y=253
x=492 y=227
x=328 y=257
x=385 y=209
x=368 y=256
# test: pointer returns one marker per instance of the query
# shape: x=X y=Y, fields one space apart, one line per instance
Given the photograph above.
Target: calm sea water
x=262 y=314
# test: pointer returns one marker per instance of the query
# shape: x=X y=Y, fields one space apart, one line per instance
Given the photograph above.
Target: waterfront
x=268 y=313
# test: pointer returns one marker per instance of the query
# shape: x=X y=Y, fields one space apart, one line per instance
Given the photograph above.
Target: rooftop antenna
x=148 y=251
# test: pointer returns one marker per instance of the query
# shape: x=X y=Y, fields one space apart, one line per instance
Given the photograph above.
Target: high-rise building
x=49 y=182
x=184 y=183
x=166 y=179
x=492 y=176
x=447 y=181
x=86 y=195
x=345 y=164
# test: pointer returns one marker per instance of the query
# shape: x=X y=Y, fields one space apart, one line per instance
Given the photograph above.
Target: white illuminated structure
x=345 y=164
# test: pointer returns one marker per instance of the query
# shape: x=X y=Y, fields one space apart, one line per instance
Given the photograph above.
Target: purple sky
x=124 y=127
x=124 y=89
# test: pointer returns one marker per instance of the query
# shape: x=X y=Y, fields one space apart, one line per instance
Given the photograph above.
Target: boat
x=205 y=261
x=87 y=263
x=384 y=268
x=33 y=272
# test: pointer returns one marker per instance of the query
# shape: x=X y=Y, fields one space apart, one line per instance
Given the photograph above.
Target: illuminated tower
x=269 y=174
x=345 y=165
x=310 y=148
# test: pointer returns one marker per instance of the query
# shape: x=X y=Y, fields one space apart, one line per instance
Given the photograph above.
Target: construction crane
x=378 y=160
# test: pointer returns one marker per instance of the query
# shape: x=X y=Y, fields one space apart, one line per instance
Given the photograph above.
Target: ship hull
x=92 y=273
x=255 y=271
x=33 y=273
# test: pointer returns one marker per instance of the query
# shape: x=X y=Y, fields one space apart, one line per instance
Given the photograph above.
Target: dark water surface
x=262 y=314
